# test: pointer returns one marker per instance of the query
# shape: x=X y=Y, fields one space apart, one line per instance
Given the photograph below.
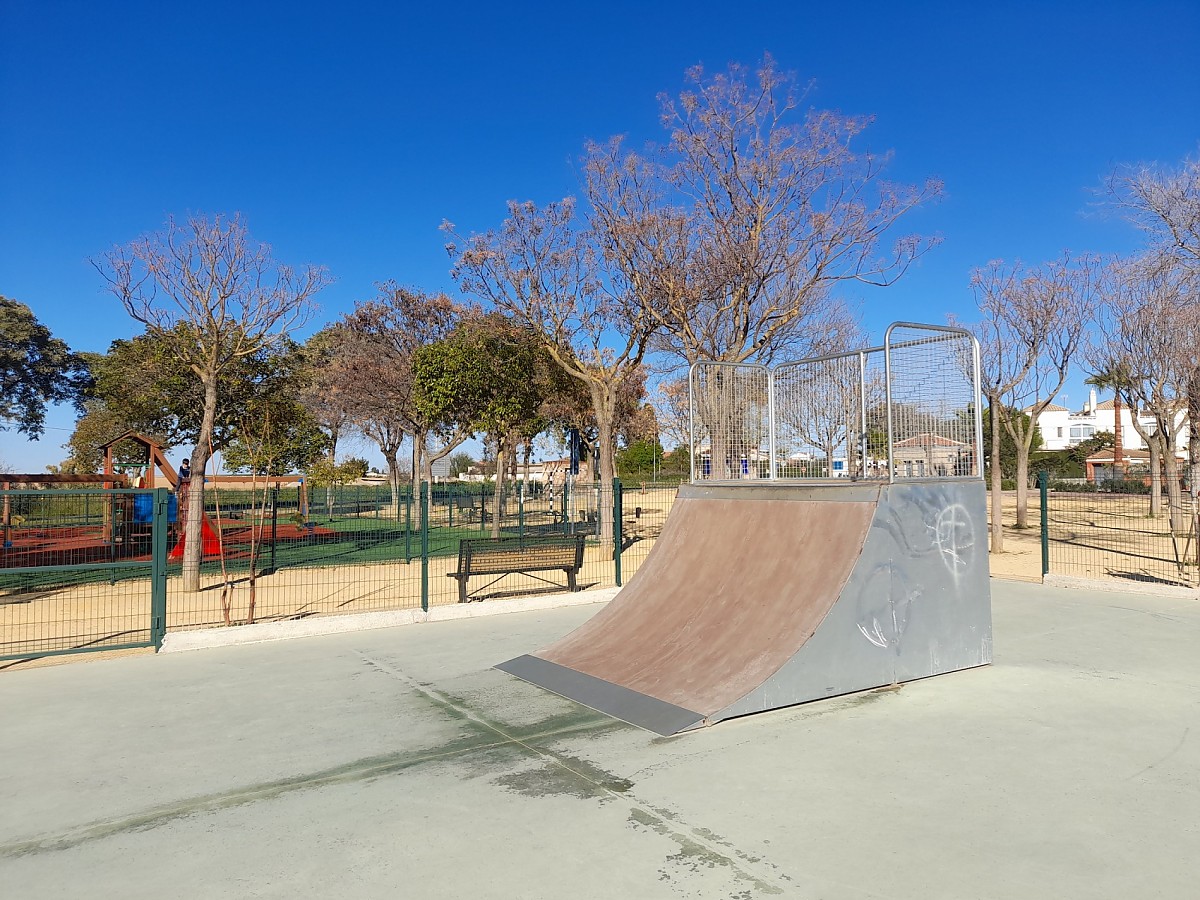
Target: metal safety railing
x=908 y=409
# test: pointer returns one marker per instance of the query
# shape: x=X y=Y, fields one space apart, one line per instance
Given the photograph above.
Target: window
x=1060 y=431
x=1082 y=432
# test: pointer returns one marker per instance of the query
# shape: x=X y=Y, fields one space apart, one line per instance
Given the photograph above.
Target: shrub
x=1073 y=487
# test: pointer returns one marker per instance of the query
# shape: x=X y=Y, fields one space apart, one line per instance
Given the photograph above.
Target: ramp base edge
x=619 y=702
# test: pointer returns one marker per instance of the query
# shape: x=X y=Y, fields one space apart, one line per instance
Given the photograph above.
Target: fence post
x=618 y=515
x=425 y=546
x=450 y=504
x=1044 y=488
x=158 y=569
x=521 y=509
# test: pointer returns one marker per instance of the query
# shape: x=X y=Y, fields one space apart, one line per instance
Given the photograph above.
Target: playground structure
x=116 y=517
x=781 y=577
x=130 y=462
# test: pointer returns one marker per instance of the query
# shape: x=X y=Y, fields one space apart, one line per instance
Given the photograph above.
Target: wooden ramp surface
x=731 y=591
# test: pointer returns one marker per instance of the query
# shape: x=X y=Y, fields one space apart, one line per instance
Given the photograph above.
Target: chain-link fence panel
x=932 y=402
x=731 y=421
x=908 y=409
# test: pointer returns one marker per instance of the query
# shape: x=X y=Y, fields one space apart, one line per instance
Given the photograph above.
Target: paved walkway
x=397 y=763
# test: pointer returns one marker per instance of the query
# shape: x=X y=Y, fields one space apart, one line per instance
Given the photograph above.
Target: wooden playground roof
x=135 y=436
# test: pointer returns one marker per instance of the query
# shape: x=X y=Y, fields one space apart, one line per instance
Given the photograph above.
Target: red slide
x=209 y=543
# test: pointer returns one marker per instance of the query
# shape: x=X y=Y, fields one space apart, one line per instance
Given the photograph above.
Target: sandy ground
x=1097 y=536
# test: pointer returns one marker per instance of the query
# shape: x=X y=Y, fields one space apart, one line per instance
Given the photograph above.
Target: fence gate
x=81 y=570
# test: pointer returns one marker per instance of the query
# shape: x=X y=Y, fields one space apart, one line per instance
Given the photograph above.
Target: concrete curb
x=204 y=639
x=1120 y=587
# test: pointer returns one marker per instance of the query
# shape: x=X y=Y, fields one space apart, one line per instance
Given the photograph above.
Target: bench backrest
x=495 y=555
x=467 y=502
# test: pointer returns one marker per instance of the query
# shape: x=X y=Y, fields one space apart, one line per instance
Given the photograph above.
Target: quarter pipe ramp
x=756 y=598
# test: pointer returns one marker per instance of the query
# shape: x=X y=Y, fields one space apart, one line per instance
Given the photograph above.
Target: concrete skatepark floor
x=397 y=763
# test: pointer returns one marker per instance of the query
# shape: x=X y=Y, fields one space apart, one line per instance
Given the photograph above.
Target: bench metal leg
x=571 y=580
x=462 y=590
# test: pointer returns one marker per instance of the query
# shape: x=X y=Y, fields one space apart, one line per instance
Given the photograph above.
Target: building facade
x=1062 y=428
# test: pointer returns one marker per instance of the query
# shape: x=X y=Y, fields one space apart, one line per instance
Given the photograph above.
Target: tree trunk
x=1022 y=487
x=193 y=546
x=528 y=461
x=1118 y=435
x=1193 y=400
x=715 y=413
x=498 y=494
x=1174 y=494
x=390 y=454
x=1022 y=439
x=422 y=471
x=604 y=406
x=997 y=478
x=1155 y=444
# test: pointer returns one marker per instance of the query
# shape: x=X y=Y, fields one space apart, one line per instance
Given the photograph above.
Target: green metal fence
x=275 y=554
x=82 y=570
x=1116 y=535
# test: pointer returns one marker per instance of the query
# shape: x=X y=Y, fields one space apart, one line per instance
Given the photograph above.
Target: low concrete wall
x=317 y=625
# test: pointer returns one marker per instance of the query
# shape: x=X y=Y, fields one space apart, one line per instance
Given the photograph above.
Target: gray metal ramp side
x=619 y=702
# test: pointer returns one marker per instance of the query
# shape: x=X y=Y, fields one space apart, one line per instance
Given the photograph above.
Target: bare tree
x=382 y=337
x=324 y=384
x=735 y=235
x=1034 y=324
x=541 y=268
x=1156 y=358
x=216 y=297
x=670 y=402
x=1165 y=203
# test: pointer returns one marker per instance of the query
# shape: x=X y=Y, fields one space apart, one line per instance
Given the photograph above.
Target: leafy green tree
x=285 y=437
x=489 y=375
x=326 y=472
x=1101 y=440
x=142 y=385
x=460 y=463
x=641 y=458
x=36 y=369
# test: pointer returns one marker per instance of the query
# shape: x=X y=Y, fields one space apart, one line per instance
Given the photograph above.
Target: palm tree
x=1113 y=378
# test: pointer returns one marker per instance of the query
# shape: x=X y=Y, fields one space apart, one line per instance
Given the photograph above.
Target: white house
x=1062 y=428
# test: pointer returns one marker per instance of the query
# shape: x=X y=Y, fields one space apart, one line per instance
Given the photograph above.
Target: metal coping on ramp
x=603 y=696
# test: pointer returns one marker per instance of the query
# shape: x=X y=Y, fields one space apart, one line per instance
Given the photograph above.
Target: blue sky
x=346 y=134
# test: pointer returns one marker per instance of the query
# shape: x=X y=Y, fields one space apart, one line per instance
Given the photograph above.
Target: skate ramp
x=756 y=598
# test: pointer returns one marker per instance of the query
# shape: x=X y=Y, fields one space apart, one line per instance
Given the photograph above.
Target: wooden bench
x=512 y=555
